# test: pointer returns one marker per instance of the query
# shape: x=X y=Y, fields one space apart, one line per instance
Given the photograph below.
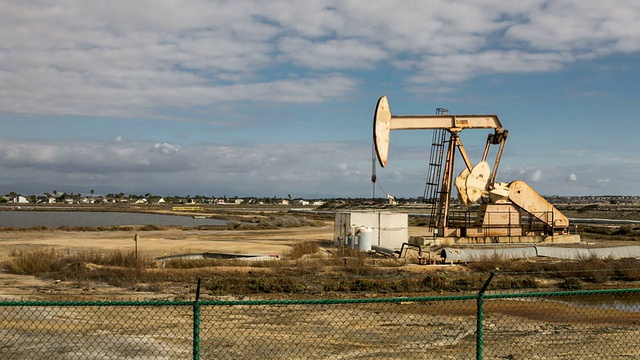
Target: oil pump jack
x=507 y=212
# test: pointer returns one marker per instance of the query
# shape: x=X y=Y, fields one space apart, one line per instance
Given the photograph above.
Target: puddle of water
x=622 y=302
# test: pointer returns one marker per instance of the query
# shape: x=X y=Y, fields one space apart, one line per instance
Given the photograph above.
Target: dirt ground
x=167 y=242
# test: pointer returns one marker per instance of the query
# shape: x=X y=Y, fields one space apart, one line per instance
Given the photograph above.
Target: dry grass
x=617 y=233
x=303 y=271
x=32 y=262
x=287 y=221
x=591 y=269
x=304 y=248
x=65 y=264
x=307 y=269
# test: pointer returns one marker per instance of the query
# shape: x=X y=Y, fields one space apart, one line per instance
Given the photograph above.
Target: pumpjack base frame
x=504 y=240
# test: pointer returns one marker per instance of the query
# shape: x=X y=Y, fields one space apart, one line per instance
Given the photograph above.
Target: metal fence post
x=480 y=315
x=196 y=323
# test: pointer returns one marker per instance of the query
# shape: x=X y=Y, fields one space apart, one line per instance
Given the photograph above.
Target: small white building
x=389 y=229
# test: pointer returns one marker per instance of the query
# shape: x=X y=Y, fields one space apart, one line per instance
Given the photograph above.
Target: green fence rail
x=585 y=324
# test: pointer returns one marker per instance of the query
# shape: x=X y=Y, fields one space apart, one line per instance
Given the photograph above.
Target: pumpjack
x=506 y=212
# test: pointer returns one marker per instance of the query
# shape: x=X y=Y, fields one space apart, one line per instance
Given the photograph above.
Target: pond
x=55 y=219
x=623 y=302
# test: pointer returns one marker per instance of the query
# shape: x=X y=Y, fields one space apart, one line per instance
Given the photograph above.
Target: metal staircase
x=433 y=184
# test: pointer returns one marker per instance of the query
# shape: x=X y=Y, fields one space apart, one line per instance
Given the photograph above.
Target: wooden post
x=135 y=239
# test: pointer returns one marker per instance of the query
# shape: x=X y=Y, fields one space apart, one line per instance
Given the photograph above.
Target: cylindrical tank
x=351 y=238
x=365 y=235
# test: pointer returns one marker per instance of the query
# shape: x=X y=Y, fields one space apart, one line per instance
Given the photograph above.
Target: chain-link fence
x=585 y=324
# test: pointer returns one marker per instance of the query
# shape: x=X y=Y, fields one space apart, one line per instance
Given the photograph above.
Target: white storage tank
x=364 y=235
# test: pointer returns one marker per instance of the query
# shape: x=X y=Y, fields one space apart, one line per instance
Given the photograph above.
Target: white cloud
x=529 y=173
x=133 y=59
x=164 y=148
x=536 y=175
x=572 y=177
x=332 y=54
x=592 y=28
x=460 y=67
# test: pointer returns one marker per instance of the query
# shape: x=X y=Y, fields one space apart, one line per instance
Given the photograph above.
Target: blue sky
x=271 y=98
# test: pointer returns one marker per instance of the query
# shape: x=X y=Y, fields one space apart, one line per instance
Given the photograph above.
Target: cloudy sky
x=271 y=98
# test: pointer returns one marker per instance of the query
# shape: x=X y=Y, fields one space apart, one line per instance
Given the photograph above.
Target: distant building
x=20 y=200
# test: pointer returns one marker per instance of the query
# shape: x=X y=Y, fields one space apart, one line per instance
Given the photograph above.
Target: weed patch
x=299 y=250
x=286 y=221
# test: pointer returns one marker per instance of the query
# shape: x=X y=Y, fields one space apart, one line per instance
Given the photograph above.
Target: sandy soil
x=167 y=242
